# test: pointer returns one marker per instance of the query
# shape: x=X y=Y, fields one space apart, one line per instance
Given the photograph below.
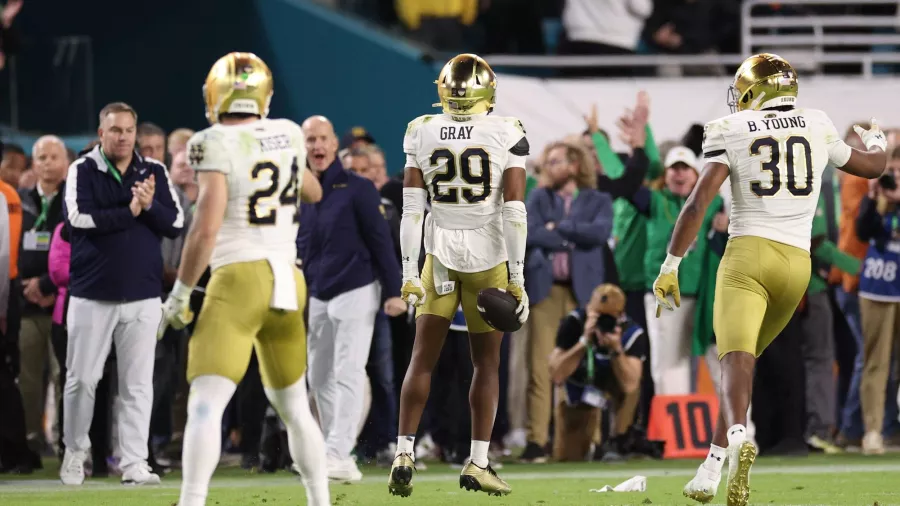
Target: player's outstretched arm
x=411 y=222
x=691 y=218
x=201 y=238
x=869 y=164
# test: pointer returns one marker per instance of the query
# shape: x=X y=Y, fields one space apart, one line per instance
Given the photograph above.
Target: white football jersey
x=264 y=163
x=463 y=164
x=776 y=160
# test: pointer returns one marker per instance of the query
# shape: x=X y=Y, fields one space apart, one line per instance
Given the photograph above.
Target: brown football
x=498 y=308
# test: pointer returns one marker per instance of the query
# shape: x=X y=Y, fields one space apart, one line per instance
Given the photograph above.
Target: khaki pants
x=881 y=330
x=578 y=426
x=36 y=354
x=543 y=325
x=518 y=379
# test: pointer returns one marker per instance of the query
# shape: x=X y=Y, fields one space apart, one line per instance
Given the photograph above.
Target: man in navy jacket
x=118 y=206
x=350 y=265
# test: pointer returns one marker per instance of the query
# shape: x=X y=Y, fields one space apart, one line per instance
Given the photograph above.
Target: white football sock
x=203 y=436
x=737 y=434
x=715 y=459
x=406 y=444
x=479 y=453
x=305 y=441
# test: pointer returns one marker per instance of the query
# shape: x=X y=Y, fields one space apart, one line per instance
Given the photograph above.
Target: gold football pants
x=468 y=284
x=236 y=318
x=758 y=287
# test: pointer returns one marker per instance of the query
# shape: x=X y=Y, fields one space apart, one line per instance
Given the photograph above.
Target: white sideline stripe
x=54 y=486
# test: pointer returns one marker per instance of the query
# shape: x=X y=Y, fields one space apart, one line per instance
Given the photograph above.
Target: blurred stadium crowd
x=828 y=383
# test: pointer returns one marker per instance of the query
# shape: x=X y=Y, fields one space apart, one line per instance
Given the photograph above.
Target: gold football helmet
x=238 y=83
x=763 y=80
x=466 y=86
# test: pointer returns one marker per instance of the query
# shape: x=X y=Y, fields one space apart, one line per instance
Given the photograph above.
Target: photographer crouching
x=597 y=360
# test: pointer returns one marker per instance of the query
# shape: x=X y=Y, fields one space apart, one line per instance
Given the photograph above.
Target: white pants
x=671 y=338
x=93 y=327
x=340 y=335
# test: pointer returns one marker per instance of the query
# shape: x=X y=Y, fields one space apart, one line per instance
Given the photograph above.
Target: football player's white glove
x=177 y=309
x=873 y=136
x=412 y=291
x=516 y=287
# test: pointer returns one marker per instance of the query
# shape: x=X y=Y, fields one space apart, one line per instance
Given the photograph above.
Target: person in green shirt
x=629 y=226
x=671 y=335
x=818 y=334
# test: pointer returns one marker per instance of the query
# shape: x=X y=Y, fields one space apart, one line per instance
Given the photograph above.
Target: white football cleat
x=343 y=470
x=702 y=488
x=72 y=470
x=139 y=474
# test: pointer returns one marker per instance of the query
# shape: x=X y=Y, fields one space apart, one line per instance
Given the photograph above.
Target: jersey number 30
x=287 y=197
x=464 y=164
x=775 y=156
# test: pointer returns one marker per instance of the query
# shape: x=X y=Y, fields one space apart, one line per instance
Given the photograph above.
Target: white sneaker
x=139 y=474
x=72 y=470
x=872 y=443
x=344 y=470
x=702 y=488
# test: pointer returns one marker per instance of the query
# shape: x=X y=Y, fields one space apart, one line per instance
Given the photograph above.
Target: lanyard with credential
x=45 y=210
x=112 y=168
x=590 y=360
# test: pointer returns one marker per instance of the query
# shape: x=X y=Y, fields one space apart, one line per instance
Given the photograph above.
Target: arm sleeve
x=570 y=330
x=830 y=254
x=81 y=210
x=411 y=230
x=612 y=164
x=714 y=143
x=655 y=165
x=165 y=216
x=593 y=233
x=538 y=235
x=838 y=150
x=58 y=260
x=5 y=239
x=631 y=181
x=206 y=151
x=377 y=236
x=515 y=234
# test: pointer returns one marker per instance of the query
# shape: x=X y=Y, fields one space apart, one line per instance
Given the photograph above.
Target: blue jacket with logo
x=879 y=277
x=344 y=240
x=116 y=256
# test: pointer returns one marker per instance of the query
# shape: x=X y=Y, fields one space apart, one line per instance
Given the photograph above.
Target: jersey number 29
x=287 y=197
x=775 y=156
x=464 y=164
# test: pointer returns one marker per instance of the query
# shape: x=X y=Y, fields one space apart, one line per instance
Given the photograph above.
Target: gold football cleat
x=400 y=482
x=739 y=481
x=486 y=480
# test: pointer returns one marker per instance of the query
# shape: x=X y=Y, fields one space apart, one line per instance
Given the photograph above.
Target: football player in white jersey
x=251 y=172
x=775 y=154
x=472 y=166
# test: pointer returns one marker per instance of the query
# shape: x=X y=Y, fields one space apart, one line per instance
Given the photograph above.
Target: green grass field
x=820 y=480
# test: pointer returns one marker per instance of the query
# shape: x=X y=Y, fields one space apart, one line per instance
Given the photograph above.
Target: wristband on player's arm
x=671 y=263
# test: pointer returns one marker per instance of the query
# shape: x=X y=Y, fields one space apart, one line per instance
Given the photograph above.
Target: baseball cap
x=356 y=133
x=610 y=299
x=681 y=154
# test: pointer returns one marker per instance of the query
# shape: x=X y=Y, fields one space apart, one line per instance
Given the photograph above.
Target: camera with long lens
x=887 y=182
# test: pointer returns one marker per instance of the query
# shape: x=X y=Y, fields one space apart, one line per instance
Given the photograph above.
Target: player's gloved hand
x=873 y=136
x=177 y=309
x=412 y=292
x=516 y=287
x=667 y=284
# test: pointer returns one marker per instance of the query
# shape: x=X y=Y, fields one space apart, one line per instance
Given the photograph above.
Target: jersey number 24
x=287 y=197
x=775 y=156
